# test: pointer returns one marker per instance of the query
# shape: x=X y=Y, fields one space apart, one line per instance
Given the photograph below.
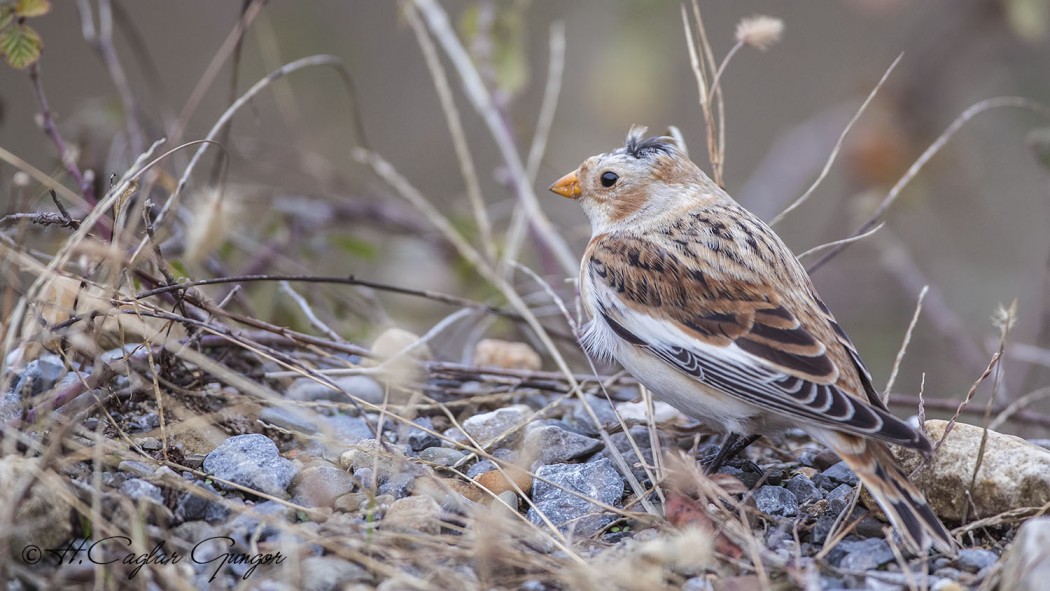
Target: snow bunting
x=704 y=304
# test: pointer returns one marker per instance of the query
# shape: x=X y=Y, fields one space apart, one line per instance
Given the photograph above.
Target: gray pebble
x=598 y=480
x=40 y=375
x=488 y=426
x=399 y=485
x=557 y=445
x=975 y=559
x=863 y=555
x=361 y=387
x=135 y=467
x=441 y=456
x=418 y=439
x=348 y=429
x=823 y=482
x=320 y=486
x=776 y=500
x=145 y=422
x=136 y=488
x=480 y=468
x=697 y=584
x=149 y=443
x=252 y=461
x=190 y=507
x=329 y=573
x=841 y=474
x=839 y=498
x=640 y=435
x=804 y=489
x=602 y=408
x=258 y=523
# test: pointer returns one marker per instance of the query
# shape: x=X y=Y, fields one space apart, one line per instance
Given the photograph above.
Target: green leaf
x=27 y=8
x=7 y=14
x=20 y=46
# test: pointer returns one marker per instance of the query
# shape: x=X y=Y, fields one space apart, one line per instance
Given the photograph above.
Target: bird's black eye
x=609 y=178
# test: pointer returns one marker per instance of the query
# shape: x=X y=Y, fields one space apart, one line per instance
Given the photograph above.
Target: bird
x=708 y=308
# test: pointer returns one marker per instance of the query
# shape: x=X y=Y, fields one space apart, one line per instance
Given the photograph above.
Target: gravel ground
x=298 y=492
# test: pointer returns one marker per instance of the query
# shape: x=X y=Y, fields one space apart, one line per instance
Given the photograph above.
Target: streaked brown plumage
x=706 y=306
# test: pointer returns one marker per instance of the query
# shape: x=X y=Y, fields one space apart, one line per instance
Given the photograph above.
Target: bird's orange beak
x=567 y=186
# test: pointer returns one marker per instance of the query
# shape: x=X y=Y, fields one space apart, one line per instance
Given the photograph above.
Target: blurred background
x=973 y=225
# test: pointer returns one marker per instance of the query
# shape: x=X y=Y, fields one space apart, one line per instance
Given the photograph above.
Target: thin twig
x=455 y=127
x=481 y=99
x=971 y=112
x=47 y=119
x=904 y=345
x=838 y=145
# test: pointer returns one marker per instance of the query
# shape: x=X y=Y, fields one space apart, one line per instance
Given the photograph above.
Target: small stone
x=506 y=354
x=557 y=445
x=1013 y=472
x=442 y=456
x=40 y=375
x=748 y=477
x=486 y=427
x=975 y=559
x=144 y=422
x=841 y=474
x=776 y=500
x=804 y=489
x=413 y=514
x=418 y=439
x=330 y=573
x=386 y=459
x=640 y=436
x=320 y=486
x=480 y=468
x=581 y=420
x=259 y=523
x=136 y=489
x=399 y=485
x=863 y=555
x=135 y=467
x=509 y=499
x=149 y=443
x=191 y=507
x=839 y=498
x=823 y=482
x=360 y=387
x=822 y=528
x=349 y=430
x=597 y=480
x=251 y=461
x=290 y=418
x=1026 y=563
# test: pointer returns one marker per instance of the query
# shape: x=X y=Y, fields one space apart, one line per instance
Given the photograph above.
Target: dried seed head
x=759 y=31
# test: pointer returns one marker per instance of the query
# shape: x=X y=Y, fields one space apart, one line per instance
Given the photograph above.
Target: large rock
x=1027 y=563
x=1013 y=473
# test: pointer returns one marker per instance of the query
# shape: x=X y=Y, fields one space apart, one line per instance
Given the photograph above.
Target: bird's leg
x=731 y=446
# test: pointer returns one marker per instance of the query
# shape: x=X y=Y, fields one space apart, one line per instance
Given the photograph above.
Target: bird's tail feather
x=904 y=505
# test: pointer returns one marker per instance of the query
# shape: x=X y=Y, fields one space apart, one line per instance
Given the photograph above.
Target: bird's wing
x=764 y=340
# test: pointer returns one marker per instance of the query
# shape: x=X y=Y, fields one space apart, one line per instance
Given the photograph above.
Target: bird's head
x=644 y=178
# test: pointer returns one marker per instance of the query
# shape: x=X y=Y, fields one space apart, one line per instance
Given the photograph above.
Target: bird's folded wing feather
x=773 y=346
